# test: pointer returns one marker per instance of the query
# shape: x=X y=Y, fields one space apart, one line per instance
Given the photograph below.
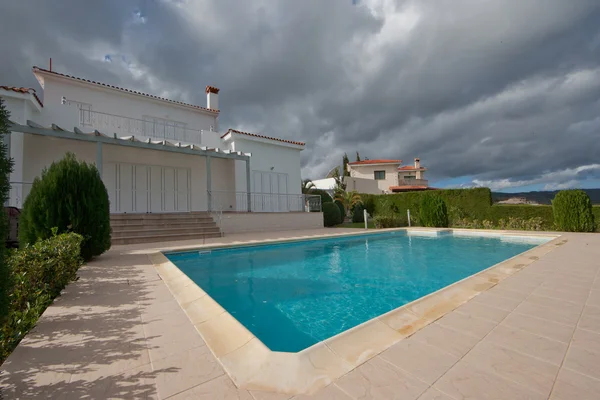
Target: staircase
x=169 y=227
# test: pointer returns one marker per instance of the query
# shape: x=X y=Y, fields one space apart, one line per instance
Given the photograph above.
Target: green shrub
x=572 y=211
x=70 y=196
x=368 y=201
x=596 y=212
x=325 y=197
x=331 y=214
x=389 y=220
x=358 y=214
x=5 y=169
x=433 y=211
x=38 y=272
x=523 y=212
x=340 y=205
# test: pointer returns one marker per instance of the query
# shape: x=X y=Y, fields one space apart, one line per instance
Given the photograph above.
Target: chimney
x=212 y=98
x=417 y=163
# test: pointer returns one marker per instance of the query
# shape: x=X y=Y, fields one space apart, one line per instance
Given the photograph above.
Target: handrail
x=263 y=202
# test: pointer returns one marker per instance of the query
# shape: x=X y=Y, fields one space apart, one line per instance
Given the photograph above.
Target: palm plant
x=348 y=199
x=307 y=186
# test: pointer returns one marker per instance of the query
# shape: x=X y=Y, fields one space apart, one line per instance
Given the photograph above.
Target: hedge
x=596 y=212
x=573 y=211
x=331 y=214
x=433 y=211
x=501 y=211
x=71 y=197
x=340 y=205
x=358 y=214
x=38 y=273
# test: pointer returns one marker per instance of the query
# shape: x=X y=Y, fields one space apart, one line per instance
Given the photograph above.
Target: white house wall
x=112 y=102
x=368 y=172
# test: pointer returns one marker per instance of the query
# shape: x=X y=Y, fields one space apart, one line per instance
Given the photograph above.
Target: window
x=409 y=177
x=379 y=175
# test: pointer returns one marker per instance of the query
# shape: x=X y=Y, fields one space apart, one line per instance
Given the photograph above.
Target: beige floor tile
x=420 y=360
x=531 y=372
x=591 y=311
x=583 y=361
x=516 y=284
x=331 y=392
x=555 y=303
x=571 y=385
x=137 y=383
x=467 y=324
x=594 y=299
x=536 y=346
x=589 y=323
x=434 y=394
x=560 y=315
x=467 y=381
x=446 y=339
x=185 y=370
x=160 y=309
x=483 y=311
x=220 y=388
x=539 y=326
x=497 y=300
x=588 y=340
x=565 y=295
x=557 y=285
x=378 y=379
x=171 y=334
x=259 y=395
x=506 y=293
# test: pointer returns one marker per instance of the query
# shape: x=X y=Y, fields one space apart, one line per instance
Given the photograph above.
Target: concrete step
x=159 y=224
x=117 y=234
x=153 y=221
x=162 y=238
x=161 y=216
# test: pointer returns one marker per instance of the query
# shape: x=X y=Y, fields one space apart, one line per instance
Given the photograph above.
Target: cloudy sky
x=500 y=93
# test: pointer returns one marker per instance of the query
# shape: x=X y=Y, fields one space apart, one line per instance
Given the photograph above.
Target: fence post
x=408 y=213
x=366 y=216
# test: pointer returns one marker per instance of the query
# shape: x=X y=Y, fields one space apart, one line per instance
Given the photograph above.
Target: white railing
x=413 y=182
x=262 y=202
x=151 y=127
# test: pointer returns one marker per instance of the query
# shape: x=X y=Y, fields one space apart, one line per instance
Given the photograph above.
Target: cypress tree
x=5 y=170
x=70 y=196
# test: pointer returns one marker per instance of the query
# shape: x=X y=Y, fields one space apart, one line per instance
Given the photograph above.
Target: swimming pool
x=293 y=295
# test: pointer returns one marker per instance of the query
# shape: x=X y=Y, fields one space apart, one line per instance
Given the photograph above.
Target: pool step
x=167 y=227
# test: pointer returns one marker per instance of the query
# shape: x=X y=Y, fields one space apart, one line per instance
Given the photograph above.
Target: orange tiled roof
x=367 y=162
x=212 y=89
x=36 y=69
x=23 y=90
x=263 y=137
x=408 y=187
x=410 y=168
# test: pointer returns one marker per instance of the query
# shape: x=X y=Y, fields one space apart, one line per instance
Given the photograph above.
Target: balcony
x=413 y=182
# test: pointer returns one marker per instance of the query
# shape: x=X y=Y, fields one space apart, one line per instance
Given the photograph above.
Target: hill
x=543 y=197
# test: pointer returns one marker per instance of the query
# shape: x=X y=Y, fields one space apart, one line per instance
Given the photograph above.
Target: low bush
x=523 y=212
x=596 y=212
x=358 y=214
x=38 y=273
x=531 y=224
x=331 y=214
x=433 y=211
x=71 y=197
x=340 y=205
x=389 y=220
x=368 y=202
x=572 y=211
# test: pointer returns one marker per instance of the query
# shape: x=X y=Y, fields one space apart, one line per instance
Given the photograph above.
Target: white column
x=209 y=183
x=18 y=190
x=248 y=190
x=99 y=158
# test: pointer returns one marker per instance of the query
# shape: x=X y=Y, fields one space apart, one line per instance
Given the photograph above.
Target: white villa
x=380 y=177
x=155 y=155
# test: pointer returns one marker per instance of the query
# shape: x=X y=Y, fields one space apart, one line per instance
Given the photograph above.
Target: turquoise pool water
x=294 y=295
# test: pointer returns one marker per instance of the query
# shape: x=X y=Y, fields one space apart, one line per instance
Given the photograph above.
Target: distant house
x=518 y=200
x=386 y=176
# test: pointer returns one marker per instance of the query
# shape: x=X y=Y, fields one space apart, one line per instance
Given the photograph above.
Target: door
x=137 y=188
x=270 y=192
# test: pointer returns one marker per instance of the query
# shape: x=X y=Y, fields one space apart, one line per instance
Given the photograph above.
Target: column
x=99 y=158
x=209 y=183
x=248 y=190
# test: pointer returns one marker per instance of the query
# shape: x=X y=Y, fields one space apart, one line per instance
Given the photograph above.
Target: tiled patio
x=119 y=333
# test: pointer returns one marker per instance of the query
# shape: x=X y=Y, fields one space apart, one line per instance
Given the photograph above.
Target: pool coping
x=252 y=366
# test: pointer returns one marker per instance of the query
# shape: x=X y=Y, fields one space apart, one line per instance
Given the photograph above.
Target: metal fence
x=149 y=127
x=224 y=201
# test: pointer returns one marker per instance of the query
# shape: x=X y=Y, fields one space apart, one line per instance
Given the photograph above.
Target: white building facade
x=155 y=155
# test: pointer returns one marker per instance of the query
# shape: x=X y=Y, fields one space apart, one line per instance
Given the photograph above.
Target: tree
x=345 y=162
x=357 y=156
x=348 y=200
x=572 y=210
x=71 y=197
x=340 y=185
x=6 y=165
x=307 y=186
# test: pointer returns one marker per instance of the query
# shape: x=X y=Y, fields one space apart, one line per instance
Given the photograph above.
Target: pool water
x=293 y=295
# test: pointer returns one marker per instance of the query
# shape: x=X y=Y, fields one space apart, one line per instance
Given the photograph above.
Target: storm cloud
x=504 y=92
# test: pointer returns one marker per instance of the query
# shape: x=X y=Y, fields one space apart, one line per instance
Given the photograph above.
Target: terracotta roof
x=23 y=90
x=367 y=162
x=409 y=187
x=212 y=89
x=38 y=69
x=411 y=168
x=263 y=137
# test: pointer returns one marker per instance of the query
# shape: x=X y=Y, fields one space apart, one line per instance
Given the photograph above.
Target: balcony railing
x=151 y=128
x=413 y=182
x=223 y=201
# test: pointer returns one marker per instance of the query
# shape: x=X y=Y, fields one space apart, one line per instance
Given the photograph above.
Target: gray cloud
x=504 y=91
